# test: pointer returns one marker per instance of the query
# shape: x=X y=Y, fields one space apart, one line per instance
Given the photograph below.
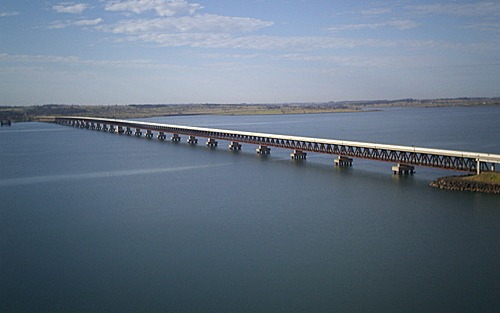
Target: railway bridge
x=404 y=158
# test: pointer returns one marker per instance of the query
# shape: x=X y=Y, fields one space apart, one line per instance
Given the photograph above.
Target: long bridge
x=404 y=157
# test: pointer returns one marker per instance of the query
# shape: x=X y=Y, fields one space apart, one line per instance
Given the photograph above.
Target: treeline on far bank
x=33 y=113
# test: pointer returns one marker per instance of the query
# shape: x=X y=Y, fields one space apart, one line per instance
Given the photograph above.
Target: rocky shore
x=467 y=183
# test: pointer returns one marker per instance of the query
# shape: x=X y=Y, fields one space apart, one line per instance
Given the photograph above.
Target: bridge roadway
x=406 y=157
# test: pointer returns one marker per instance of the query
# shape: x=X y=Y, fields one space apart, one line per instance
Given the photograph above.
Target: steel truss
x=437 y=158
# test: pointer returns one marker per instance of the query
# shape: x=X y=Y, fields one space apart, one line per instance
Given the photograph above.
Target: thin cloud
x=376 y=11
x=398 y=24
x=199 y=23
x=73 y=60
x=262 y=42
x=5 y=14
x=70 y=8
x=161 y=7
x=484 y=8
x=64 y=24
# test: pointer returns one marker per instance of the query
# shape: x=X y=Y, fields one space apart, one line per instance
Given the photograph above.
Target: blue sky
x=246 y=51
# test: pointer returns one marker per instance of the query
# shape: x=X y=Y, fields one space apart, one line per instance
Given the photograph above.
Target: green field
x=486 y=177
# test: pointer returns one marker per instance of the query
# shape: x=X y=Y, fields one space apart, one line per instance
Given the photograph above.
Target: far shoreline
x=41 y=112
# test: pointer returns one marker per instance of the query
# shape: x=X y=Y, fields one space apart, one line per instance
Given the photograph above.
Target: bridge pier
x=138 y=132
x=192 y=140
x=6 y=123
x=162 y=136
x=343 y=161
x=211 y=142
x=298 y=155
x=263 y=150
x=149 y=134
x=92 y=125
x=112 y=128
x=234 y=145
x=128 y=131
x=105 y=127
x=175 y=138
x=98 y=126
x=403 y=169
x=120 y=130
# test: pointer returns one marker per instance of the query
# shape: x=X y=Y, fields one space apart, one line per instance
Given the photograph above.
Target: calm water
x=96 y=222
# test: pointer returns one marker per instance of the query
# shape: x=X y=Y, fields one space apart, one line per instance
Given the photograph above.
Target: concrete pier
x=112 y=128
x=403 y=169
x=98 y=127
x=343 y=161
x=149 y=134
x=138 y=132
x=162 y=136
x=263 y=150
x=92 y=125
x=234 y=146
x=192 y=140
x=120 y=130
x=105 y=127
x=128 y=131
x=298 y=155
x=211 y=142
x=175 y=138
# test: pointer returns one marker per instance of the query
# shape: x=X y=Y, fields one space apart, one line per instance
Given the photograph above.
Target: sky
x=246 y=51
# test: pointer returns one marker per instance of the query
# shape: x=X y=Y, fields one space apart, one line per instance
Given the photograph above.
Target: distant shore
x=487 y=182
x=36 y=112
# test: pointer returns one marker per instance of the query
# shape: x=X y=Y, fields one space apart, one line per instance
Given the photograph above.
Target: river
x=97 y=222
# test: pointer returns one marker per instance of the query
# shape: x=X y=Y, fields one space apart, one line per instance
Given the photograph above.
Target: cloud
x=398 y=24
x=483 y=8
x=70 y=8
x=261 y=42
x=5 y=14
x=492 y=26
x=75 y=60
x=64 y=24
x=376 y=11
x=199 y=23
x=161 y=7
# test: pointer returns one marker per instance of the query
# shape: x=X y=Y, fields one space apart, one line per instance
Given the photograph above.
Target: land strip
x=37 y=112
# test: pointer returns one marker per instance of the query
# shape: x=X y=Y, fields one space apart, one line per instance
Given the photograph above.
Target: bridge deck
x=441 y=158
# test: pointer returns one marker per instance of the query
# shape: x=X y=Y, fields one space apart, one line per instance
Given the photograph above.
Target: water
x=91 y=221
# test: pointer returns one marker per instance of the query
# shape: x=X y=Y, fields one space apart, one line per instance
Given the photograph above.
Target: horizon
x=436 y=101
x=123 y=52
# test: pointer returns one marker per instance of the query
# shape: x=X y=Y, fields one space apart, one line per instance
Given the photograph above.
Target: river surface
x=97 y=222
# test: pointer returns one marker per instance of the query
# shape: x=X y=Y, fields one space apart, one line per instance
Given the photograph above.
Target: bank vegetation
x=35 y=112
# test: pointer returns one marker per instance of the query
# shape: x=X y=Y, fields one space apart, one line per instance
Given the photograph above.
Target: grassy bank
x=487 y=182
x=486 y=177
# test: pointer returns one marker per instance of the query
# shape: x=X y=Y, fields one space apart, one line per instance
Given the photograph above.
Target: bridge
x=404 y=157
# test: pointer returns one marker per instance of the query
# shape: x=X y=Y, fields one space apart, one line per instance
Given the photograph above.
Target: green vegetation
x=486 y=182
x=485 y=177
x=41 y=112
